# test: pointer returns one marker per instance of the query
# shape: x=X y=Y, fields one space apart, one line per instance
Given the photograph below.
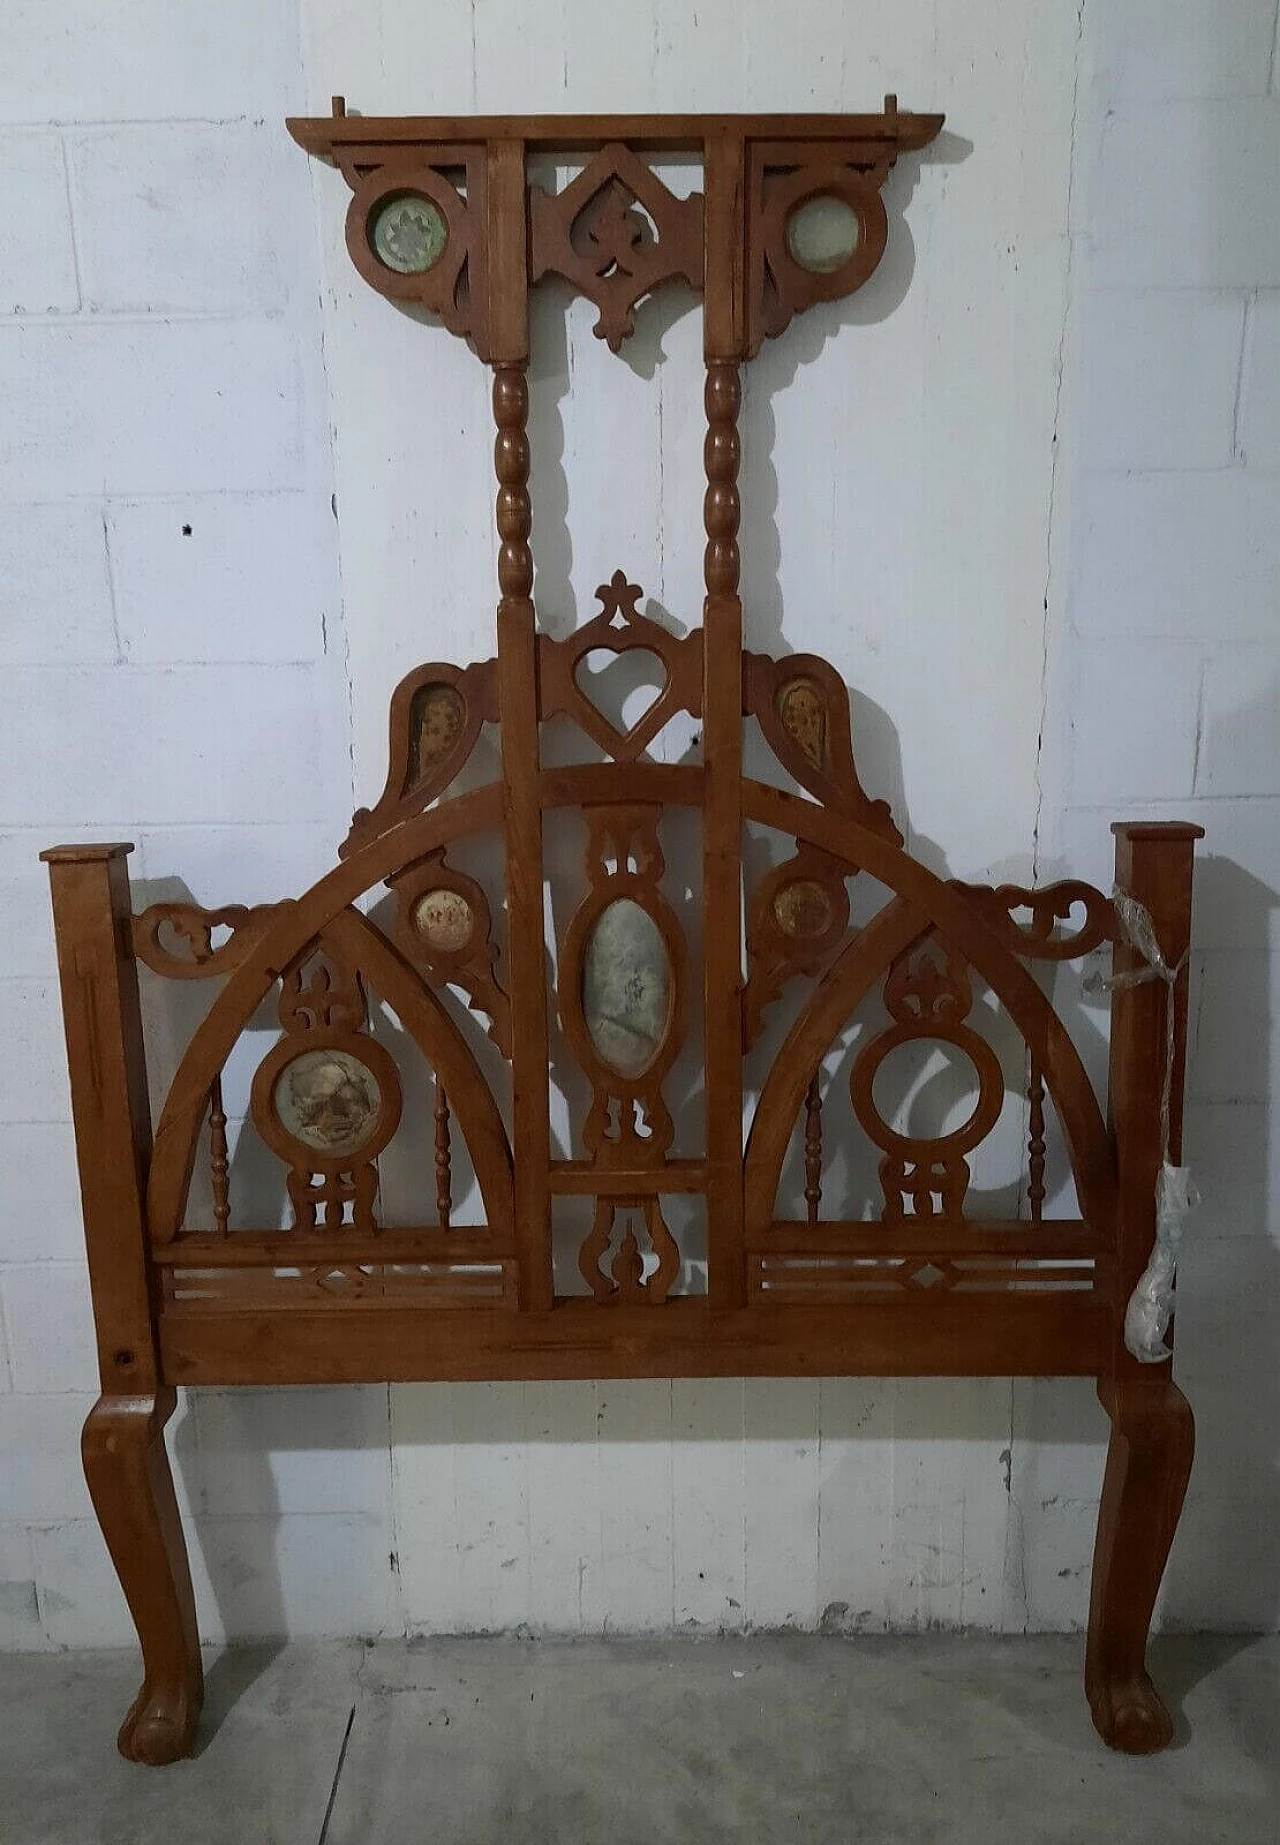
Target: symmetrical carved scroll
x=625 y=1282
x=799 y=914
x=326 y=1098
x=620 y=628
x=444 y=925
x=177 y=939
x=617 y=233
x=929 y=996
x=1039 y=938
x=802 y=706
x=436 y=715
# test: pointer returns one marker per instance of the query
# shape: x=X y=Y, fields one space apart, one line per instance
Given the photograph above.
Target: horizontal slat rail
x=606 y=1182
x=925 y=1336
x=1050 y=1241
x=292 y=1249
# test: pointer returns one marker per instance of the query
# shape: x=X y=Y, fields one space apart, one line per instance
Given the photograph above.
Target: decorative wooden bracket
x=442 y=214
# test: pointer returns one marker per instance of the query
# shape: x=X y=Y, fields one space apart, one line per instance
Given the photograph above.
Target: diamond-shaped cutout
x=339 y=1281
x=928 y=1275
x=623 y=687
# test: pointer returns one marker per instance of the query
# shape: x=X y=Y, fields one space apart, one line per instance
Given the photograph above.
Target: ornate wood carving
x=620 y=628
x=436 y=715
x=444 y=926
x=802 y=706
x=1040 y=938
x=176 y=939
x=617 y=234
x=441 y=215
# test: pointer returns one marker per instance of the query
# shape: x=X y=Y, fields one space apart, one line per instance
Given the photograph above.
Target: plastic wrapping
x=1150 y=1308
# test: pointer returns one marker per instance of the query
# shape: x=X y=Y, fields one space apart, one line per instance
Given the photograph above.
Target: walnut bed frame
x=443 y=216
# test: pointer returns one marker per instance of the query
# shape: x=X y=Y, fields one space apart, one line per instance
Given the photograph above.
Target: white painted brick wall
x=161 y=366
x=170 y=628
x=1166 y=681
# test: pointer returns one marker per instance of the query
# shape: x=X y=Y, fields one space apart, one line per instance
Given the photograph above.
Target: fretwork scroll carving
x=617 y=234
x=802 y=707
x=1039 y=938
x=929 y=996
x=436 y=715
x=625 y=1282
x=327 y=1097
x=799 y=915
x=176 y=940
x=620 y=628
x=443 y=923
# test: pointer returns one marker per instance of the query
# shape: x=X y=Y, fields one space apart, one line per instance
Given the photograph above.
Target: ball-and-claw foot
x=1132 y=1717
x=160 y=1726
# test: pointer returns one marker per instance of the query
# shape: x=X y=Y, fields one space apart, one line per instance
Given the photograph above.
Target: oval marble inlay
x=327 y=1100
x=822 y=234
x=408 y=234
x=626 y=987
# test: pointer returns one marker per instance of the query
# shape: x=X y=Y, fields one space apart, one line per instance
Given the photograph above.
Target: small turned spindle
x=219 y=1164
x=511 y=464
x=721 y=455
x=813 y=1151
x=444 y=1176
x=1036 y=1144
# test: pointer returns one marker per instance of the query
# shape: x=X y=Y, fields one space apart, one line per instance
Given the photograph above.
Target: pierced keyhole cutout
x=623 y=687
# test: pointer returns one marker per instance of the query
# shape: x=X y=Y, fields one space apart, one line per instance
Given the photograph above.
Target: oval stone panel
x=328 y=1100
x=626 y=987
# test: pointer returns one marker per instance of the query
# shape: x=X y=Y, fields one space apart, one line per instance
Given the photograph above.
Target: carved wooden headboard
x=707 y=1232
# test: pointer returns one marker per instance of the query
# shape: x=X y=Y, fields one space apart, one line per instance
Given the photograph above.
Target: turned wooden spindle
x=813 y=1151
x=219 y=1164
x=444 y=1176
x=722 y=453
x=1036 y=1144
x=511 y=464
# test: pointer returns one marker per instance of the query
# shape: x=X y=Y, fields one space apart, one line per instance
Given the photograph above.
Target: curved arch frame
x=922 y=900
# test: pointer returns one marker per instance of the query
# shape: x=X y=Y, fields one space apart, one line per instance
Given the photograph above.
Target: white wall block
x=1179 y=555
x=33 y=1071
x=40 y=1221
x=90 y=63
x=40 y=1457
x=224 y=577
x=1158 y=50
x=234 y=863
x=1159 y=373
x=1236 y=1159
x=52 y=1344
x=1260 y=393
x=175 y=407
x=186 y=217
x=187 y=744
x=287 y=1451
x=20 y=1626
x=1237 y=1047
x=1133 y=721
x=1240 y=748
x=55 y=591
x=1184 y=196
x=37 y=251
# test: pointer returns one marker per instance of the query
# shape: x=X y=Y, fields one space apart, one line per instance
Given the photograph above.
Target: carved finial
x=617 y=597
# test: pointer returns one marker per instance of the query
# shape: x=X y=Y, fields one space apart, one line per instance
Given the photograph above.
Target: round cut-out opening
x=408 y=234
x=626 y=987
x=927 y=1088
x=822 y=233
x=328 y=1100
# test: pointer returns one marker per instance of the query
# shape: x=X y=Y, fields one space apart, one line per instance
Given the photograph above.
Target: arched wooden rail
x=900 y=1280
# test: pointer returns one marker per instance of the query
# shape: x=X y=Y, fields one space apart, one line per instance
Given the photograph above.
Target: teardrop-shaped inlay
x=626 y=987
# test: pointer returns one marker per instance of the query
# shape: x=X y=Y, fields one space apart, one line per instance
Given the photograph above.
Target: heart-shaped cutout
x=623 y=687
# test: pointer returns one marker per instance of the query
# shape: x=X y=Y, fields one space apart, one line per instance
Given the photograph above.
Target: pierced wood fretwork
x=442 y=215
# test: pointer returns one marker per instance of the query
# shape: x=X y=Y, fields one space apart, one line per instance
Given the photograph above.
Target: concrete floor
x=774 y=1738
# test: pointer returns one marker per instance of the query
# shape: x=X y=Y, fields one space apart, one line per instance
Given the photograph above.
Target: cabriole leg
x=1148 y=1464
x=127 y=1467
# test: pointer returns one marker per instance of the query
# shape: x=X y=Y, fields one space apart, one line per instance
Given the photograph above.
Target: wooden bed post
x=125 y=1461
x=1152 y=1431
